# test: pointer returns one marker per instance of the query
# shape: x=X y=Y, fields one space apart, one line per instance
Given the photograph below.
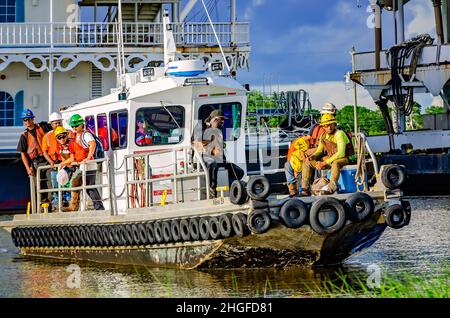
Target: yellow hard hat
x=60 y=130
x=327 y=119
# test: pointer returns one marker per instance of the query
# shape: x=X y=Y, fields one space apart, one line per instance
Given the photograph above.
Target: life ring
x=194 y=229
x=396 y=216
x=158 y=232
x=150 y=232
x=258 y=221
x=393 y=177
x=239 y=222
x=184 y=230
x=258 y=188
x=327 y=215
x=294 y=213
x=238 y=192
x=167 y=235
x=360 y=206
x=175 y=230
x=226 y=228
x=203 y=226
x=214 y=227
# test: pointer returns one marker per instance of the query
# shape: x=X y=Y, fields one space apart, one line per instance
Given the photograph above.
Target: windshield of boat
x=232 y=123
x=157 y=126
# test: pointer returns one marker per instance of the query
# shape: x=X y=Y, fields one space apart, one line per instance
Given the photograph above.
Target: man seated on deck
x=210 y=144
x=333 y=153
x=300 y=148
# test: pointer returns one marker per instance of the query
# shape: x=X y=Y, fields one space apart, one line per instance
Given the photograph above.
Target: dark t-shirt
x=23 y=142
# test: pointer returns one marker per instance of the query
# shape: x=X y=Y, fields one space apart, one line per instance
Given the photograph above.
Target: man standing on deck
x=50 y=151
x=30 y=148
x=333 y=153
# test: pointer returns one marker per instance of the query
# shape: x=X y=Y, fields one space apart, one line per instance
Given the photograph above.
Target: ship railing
x=93 y=34
x=104 y=173
x=193 y=167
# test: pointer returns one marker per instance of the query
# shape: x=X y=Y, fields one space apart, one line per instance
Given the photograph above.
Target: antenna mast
x=120 y=50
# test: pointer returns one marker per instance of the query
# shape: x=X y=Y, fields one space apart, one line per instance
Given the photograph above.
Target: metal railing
x=190 y=171
x=35 y=183
x=134 y=33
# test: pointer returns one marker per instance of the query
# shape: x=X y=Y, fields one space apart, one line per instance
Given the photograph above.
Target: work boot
x=74 y=204
x=305 y=193
x=293 y=190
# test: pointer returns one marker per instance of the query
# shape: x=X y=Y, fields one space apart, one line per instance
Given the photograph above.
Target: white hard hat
x=55 y=116
x=62 y=177
x=328 y=108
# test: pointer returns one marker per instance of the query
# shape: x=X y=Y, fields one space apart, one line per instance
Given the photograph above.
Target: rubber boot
x=305 y=193
x=293 y=190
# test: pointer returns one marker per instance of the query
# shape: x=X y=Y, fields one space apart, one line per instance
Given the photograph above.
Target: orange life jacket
x=34 y=149
x=316 y=132
x=80 y=153
x=52 y=145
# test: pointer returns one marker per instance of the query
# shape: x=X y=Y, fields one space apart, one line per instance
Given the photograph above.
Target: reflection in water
x=416 y=249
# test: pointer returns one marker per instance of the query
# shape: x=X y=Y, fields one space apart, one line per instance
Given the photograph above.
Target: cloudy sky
x=306 y=44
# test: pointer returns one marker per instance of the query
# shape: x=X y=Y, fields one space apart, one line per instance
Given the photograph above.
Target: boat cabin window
x=119 y=125
x=90 y=124
x=102 y=124
x=232 y=111
x=159 y=126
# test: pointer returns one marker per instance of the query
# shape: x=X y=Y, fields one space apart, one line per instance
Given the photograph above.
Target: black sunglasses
x=62 y=136
x=26 y=119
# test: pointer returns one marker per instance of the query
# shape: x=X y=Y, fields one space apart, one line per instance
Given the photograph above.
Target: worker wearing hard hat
x=302 y=147
x=333 y=152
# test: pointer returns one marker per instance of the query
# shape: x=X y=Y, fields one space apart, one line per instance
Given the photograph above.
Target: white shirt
x=87 y=138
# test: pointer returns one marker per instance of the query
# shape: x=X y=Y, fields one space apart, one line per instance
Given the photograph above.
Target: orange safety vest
x=34 y=149
x=316 y=134
x=51 y=145
x=79 y=152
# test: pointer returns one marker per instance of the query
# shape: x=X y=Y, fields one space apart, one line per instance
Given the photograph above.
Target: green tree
x=434 y=110
x=369 y=121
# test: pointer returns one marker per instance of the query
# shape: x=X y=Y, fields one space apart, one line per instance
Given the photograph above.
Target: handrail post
x=33 y=194
x=83 y=179
x=175 y=172
x=59 y=196
x=38 y=187
x=111 y=186
x=147 y=184
x=127 y=184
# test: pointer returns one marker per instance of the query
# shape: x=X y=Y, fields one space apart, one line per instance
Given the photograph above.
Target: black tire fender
x=238 y=192
x=214 y=228
x=239 y=222
x=203 y=227
x=316 y=215
x=226 y=228
x=128 y=235
x=258 y=221
x=150 y=232
x=158 y=232
x=184 y=230
x=175 y=230
x=258 y=188
x=194 y=229
x=143 y=237
x=166 y=232
x=393 y=177
x=360 y=206
x=396 y=216
x=294 y=213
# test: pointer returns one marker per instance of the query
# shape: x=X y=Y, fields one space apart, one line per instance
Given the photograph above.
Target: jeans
x=93 y=193
x=289 y=172
x=336 y=166
x=54 y=182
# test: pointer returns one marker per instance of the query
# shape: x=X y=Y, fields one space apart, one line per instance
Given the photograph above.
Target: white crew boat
x=156 y=194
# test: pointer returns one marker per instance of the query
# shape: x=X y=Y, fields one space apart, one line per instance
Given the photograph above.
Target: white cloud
x=422 y=18
x=249 y=10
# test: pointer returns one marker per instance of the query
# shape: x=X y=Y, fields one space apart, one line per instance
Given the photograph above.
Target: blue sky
x=306 y=44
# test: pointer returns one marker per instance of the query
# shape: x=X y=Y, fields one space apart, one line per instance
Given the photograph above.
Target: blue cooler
x=346 y=180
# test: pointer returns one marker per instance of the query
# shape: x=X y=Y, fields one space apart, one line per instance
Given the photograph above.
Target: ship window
x=102 y=124
x=6 y=109
x=7 y=11
x=119 y=125
x=90 y=124
x=232 y=111
x=159 y=126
